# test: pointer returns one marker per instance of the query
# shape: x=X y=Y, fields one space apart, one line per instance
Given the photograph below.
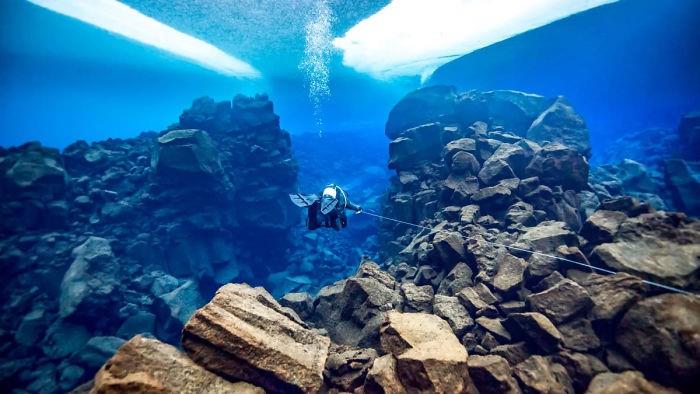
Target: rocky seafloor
x=115 y=246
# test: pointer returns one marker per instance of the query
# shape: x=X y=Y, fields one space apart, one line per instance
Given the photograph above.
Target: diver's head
x=330 y=192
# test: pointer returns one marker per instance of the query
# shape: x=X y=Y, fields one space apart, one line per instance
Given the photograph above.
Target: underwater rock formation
x=446 y=308
x=121 y=237
x=658 y=166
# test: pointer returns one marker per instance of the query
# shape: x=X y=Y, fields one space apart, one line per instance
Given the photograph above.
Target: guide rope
x=607 y=271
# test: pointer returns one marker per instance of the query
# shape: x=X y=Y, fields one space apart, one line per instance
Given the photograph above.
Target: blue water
x=625 y=67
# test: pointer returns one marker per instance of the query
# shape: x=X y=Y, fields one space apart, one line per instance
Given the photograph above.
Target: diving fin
x=303 y=200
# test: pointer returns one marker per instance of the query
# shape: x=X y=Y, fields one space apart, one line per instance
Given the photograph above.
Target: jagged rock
x=661 y=334
x=495 y=327
x=457 y=188
x=509 y=274
x=347 y=368
x=495 y=197
x=96 y=351
x=243 y=333
x=514 y=353
x=416 y=145
x=186 y=152
x=89 y=284
x=182 y=302
x=579 y=335
x=464 y=162
x=476 y=297
x=560 y=123
x=557 y=164
x=561 y=301
x=63 y=339
x=450 y=309
x=417 y=298
x=32 y=327
x=450 y=248
x=612 y=294
x=382 y=378
x=301 y=303
x=663 y=246
x=428 y=355
x=683 y=179
x=467 y=145
x=253 y=112
x=494 y=171
x=352 y=311
x=492 y=375
x=548 y=235
x=456 y=280
x=602 y=226
x=146 y=365
x=33 y=169
x=140 y=323
x=629 y=382
x=534 y=328
x=522 y=213
x=538 y=374
x=580 y=367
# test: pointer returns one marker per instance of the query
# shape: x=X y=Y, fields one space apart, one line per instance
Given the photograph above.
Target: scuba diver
x=328 y=210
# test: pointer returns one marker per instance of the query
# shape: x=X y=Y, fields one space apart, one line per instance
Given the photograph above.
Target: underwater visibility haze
x=388 y=196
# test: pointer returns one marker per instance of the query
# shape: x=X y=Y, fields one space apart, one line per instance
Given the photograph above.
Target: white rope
x=607 y=271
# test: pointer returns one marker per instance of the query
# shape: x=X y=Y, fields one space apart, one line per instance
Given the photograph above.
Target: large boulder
x=540 y=375
x=557 y=164
x=536 y=329
x=549 y=235
x=243 y=333
x=428 y=355
x=186 y=152
x=148 y=366
x=561 y=301
x=419 y=107
x=661 y=246
x=90 y=284
x=353 y=309
x=32 y=169
x=560 y=123
x=628 y=382
x=492 y=375
x=661 y=335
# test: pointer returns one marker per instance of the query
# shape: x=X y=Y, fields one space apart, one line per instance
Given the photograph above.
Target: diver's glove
x=359 y=210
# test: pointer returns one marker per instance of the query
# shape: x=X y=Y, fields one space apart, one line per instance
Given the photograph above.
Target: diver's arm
x=353 y=207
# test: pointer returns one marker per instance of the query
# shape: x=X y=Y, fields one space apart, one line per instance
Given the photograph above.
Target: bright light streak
x=121 y=19
x=414 y=37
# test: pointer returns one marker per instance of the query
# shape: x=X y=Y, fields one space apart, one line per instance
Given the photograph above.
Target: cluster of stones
x=665 y=171
x=452 y=311
x=106 y=240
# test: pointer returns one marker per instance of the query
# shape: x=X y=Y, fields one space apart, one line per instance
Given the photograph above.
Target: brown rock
x=145 y=365
x=510 y=272
x=630 y=382
x=561 y=301
x=538 y=374
x=417 y=298
x=244 y=334
x=536 y=329
x=346 y=368
x=662 y=336
x=612 y=294
x=492 y=375
x=428 y=355
x=382 y=377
